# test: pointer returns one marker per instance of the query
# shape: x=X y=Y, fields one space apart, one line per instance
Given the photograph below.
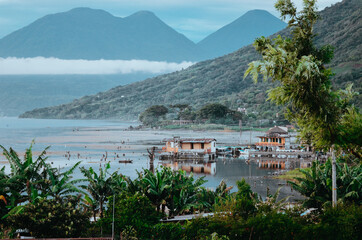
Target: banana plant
x=26 y=175
x=316 y=183
x=184 y=194
x=60 y=184
x=101 y=186
x=157 y=187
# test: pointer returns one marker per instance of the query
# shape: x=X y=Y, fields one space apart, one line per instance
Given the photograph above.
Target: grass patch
x=290 y=175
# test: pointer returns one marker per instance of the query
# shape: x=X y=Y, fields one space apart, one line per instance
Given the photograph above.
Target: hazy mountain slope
x=241 y=32
x=20 y=93
x=84 y=33
x=91 y=34
x=219 y=80
x=197 y=85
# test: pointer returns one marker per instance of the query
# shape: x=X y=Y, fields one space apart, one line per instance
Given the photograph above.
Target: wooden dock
x=282 y=159
x=279 y=154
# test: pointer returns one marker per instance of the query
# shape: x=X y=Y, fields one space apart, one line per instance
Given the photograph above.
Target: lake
x=95 y=142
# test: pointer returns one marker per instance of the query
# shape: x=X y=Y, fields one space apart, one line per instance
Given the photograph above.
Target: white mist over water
x=41 y=65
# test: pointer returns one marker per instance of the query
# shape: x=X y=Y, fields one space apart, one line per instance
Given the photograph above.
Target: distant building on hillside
x=276 y=138
x=243 y=110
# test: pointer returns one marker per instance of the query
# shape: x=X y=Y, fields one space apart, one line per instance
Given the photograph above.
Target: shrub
x=131 y=210
x=342 y=222
x=272 y=225
x=167 y=231
x=52 y=218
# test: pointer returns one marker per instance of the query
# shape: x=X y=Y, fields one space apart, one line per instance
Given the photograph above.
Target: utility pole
x=251 y=128
x=240 y=126
x=114 y=197
x=334 y=179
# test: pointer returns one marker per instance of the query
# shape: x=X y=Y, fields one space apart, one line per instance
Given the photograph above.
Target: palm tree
x=91 y=204
x=157 y=187
x=316 y=184
x=189 y=194
x=134 y=186
x=350 y=182
x=184 y=193
x=60 y=184
x=26 y=177
x=101 y=186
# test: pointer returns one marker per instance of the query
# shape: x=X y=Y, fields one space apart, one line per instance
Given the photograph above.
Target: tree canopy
x=325 y=116
x=213 y=111
x=152 y=114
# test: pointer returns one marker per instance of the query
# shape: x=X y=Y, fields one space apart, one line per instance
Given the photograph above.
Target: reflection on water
x=192 y=166
x=97 y=142
x=231 y=170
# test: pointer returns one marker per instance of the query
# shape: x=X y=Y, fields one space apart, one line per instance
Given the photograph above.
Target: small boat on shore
x=125 y=161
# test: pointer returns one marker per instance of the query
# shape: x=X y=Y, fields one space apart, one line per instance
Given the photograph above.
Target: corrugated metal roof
x=281 y=130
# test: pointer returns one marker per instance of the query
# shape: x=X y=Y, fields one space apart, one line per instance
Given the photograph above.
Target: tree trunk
x=101 y=209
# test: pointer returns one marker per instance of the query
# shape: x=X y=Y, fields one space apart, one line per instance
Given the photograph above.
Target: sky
x=196 y=19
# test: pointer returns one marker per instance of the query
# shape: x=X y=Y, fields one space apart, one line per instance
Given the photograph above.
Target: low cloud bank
x=41 y=65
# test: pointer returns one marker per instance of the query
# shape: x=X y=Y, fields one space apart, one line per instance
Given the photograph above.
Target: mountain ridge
x=86 y=33
x=218 y=80
x=253 y=24
x=76 y=35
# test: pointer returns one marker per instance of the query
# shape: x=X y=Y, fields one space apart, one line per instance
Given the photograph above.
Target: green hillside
x=221 y=79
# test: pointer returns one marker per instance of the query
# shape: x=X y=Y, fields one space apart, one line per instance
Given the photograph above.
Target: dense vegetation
x=221 y=79
x=216 y=113
x=325 y=115
x=49 y=203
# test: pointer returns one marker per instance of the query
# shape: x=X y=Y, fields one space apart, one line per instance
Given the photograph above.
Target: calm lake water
x=94 y=142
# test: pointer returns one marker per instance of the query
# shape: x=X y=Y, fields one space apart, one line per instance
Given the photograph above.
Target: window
x=202 y=145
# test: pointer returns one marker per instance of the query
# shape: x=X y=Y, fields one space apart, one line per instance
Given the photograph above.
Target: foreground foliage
x=52 y=218
x=316 y=184
x=325 y=116
x=139 y=204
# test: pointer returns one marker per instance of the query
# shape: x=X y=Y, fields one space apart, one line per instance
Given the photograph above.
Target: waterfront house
x=276 y=138
x=190 y=147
